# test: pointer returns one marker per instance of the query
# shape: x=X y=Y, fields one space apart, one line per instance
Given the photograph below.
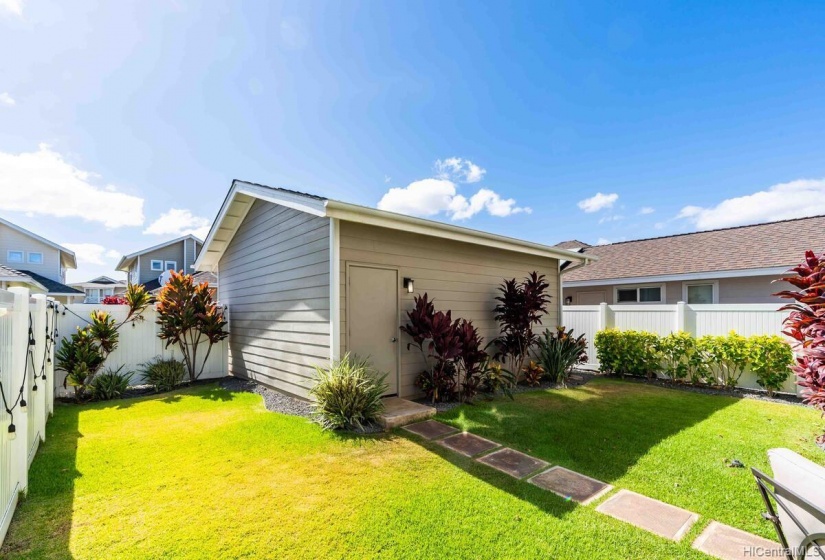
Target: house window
x=35 y=258
x=171 y=265
x=15 y=256
x=157 y=265
x=701 y=292
x=641 y=294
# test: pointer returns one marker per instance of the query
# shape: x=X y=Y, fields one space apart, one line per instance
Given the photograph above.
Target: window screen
x=626 y=296
x=650 y=294
x=700 y=293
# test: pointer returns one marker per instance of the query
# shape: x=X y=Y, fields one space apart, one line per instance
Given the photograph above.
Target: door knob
x=393 y=339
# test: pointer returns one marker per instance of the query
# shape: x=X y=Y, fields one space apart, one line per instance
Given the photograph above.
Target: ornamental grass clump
x=348 y=394
x=163 y=375
x=111 y=384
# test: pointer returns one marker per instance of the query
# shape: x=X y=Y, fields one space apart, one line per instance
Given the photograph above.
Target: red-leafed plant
x=114 y=300
x=520 y=308
x=188 y=317
x=452 y=351
x=806 y=325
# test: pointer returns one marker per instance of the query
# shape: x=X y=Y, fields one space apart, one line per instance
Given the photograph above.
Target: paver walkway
x=671 y=522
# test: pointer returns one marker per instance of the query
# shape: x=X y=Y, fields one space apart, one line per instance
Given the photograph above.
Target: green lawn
x=211 y=474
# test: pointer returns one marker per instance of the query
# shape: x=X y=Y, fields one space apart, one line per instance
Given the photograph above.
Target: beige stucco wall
x=460 y=277
x=754 y=289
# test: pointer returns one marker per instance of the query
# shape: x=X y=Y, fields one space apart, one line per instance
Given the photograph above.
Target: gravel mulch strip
x=273 y=400
x=738 y=392
x=279 y=402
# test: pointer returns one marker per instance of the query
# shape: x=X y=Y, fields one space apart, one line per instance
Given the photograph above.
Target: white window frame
x=29 y=257
x=714 y=283
x=159 y=262
x=637 y=287
x=22 y=257
x=167 y=263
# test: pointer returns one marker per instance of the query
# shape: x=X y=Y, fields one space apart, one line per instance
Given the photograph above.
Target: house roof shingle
x=51 y=285
x=770 y=245
x=6 y=272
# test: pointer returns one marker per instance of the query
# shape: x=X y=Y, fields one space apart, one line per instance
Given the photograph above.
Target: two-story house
x=26 y=259
x=146 y=266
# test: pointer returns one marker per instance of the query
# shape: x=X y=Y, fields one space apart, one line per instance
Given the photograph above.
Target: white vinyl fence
x=698 y=320
x=138 y=343
x=27 y=329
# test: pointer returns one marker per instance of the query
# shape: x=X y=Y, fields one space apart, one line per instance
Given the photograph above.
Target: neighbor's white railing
x=138 y=343
x=27 y=377
x=698 y=320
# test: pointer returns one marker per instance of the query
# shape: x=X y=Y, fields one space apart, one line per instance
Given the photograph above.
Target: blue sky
x=123 y=123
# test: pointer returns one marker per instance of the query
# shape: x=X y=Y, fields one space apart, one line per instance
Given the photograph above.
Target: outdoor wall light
x=568 y=300
x=408 y=285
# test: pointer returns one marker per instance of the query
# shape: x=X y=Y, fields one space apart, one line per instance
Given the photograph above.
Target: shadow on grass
x=42 y=523
x=601 y=429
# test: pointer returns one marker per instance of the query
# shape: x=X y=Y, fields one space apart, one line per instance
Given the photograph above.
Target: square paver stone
x=513 y=462
x=571 y=485
x=468 y=444
x=729 y=543
x=430 y=429
x=652 y=515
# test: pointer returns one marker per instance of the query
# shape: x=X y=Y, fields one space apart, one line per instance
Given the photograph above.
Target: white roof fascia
x=741 y=273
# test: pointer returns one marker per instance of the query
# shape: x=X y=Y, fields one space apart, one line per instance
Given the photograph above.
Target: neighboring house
x=146 y=266
x=99 y=288
x=26 y=259
x=307 y=279
x=198 y=278
x=732 y=265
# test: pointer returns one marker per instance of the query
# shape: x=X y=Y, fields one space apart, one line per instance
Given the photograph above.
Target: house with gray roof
x=731 y=265
x=148 y=265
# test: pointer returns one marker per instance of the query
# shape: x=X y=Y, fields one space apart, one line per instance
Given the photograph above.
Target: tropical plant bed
x=143 y=390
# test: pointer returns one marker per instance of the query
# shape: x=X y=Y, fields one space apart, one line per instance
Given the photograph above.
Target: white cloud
x=12 y=6
x=602 y=241
x=6 y=98
x=179 y=222
x=598 y=202
x=44 y=184
x=457 y=169
x=92 y=253
x=611 y=218
x=429 y=197
x=783 y=201
x=646 y=210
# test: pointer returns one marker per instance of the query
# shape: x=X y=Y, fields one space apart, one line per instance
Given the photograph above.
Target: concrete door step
x=400 y=412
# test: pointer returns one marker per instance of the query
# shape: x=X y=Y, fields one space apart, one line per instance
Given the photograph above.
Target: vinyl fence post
x=40 y=410
x=51 y=323
x=19 y=349
x=681 y=317
x=605 y=317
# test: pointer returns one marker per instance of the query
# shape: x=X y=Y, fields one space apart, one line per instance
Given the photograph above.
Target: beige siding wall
x=755 y=289
x=12 y=240
x=274 y=276
x=461 y=277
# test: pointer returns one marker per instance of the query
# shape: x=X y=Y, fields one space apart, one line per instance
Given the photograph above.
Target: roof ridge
x=744 y=226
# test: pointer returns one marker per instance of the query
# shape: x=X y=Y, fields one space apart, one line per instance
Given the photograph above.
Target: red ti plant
x=520 y=308
x=806 y=325
x=114 y=300
x=451 y=349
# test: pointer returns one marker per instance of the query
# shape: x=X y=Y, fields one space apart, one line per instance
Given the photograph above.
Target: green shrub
x=726 y=357
x=348 y=394
x=111 y=384
x=627 y=352
x=164 y=375
x=771 y=358
x=558 y=352
x=495 y=379
x=680 y=358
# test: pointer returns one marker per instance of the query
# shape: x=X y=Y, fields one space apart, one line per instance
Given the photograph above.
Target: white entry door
x=372 y=319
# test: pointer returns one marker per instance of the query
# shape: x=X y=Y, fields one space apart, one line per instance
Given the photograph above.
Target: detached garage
x=307 y=279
